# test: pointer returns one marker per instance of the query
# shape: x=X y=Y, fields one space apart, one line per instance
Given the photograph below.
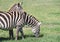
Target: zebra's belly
x=7 y=28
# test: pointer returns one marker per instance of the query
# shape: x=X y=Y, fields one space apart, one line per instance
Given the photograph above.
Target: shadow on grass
x=27 y=36
x=7 y=38
x=2 y=38
x=19 y=38
x=32 y=36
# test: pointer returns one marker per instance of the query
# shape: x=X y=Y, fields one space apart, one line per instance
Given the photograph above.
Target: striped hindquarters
x=5 y=20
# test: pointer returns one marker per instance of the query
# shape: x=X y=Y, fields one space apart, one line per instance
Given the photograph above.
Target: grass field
x=46 y=11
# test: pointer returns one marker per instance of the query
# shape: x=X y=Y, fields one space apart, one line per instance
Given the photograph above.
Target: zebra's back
x=5 y=20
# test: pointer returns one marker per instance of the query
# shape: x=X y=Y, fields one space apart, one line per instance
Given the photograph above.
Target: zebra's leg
x=11 y=34
x=18 y=28
x=22 y=34
x=17 y=33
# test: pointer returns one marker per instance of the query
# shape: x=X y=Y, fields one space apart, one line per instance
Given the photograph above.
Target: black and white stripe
x=5 y=20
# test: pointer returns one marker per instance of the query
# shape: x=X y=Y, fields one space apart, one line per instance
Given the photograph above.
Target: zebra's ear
x=18 y=4
x=21 y=3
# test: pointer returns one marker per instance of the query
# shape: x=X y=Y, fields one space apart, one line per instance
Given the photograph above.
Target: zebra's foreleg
x=18 y=28
x=17 y=32
x=22 y=34
x=11 y=34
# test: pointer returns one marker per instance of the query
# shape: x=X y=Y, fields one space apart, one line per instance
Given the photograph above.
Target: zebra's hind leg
x=11 y=34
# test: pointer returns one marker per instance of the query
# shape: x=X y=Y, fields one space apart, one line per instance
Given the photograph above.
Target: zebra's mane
x=14 y=7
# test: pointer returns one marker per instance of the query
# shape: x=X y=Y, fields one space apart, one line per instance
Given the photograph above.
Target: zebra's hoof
x=22 y=38
x=16 y=39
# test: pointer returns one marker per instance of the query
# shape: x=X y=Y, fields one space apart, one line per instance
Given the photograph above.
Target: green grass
x=46 y=11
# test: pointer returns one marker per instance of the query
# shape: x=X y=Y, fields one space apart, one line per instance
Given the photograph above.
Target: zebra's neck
x=30 y=20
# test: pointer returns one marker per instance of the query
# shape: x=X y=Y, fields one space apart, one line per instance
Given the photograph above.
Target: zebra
x=25 y=19
x=16 y=8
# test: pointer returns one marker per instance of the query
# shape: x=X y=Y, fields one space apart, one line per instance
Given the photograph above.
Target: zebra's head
x=36 y=29
x=16 y=7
